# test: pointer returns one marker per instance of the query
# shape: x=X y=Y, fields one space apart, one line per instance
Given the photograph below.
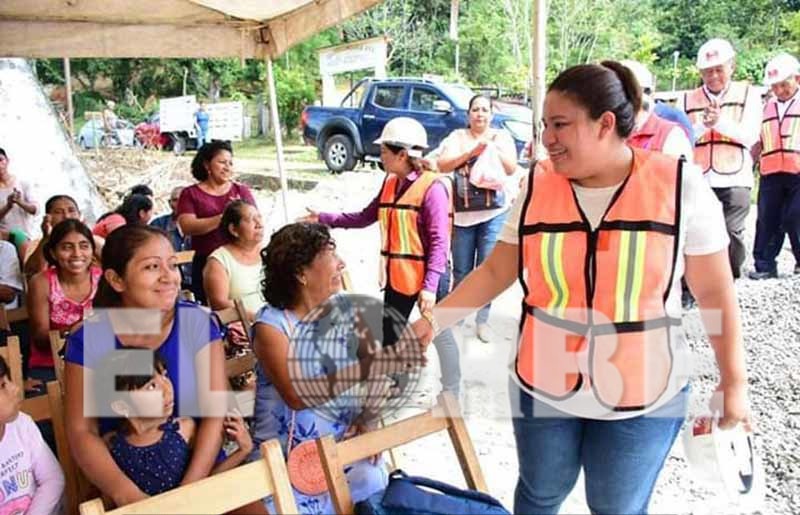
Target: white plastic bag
x=487 y=172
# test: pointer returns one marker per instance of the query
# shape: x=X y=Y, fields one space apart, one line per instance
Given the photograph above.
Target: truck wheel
x=178 y=144
x=339 y=153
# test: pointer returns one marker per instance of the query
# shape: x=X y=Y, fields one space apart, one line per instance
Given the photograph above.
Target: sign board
x=225 y=119
x=359 y=55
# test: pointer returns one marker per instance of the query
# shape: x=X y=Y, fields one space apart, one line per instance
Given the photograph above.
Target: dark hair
x=289 y=251
x=60 y=231
x=5 y=371
x=3 y=153
x=118 y=250
x=232 y=215
x=132 y=205
x=608 y=86
x=48 y=206
x=141 y=189
x=126 y=383
x=204 y=156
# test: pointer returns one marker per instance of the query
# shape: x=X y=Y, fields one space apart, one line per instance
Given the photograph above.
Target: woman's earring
x=303 y=281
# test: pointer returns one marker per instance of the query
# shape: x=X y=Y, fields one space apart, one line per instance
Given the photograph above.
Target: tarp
x=165 y=28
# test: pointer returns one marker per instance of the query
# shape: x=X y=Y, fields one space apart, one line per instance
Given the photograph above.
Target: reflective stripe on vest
x=403 y=254
x=780 y=139
x=594 y=318
x=653 y=134
x=712 y=150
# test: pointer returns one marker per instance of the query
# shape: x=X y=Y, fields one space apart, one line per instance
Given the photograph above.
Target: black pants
x=198 y=263
x=778 y=212
x=396 y=304
x=735 y=206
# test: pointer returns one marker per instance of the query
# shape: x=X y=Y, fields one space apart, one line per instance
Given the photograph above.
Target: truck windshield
x=356 y=96
x=458 y=93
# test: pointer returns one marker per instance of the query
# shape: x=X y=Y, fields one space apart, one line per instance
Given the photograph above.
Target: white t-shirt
x=31 y=480
x=783 y=106
x=702 y=232
x=17 y=218
x=458 y=142
x=10 y=271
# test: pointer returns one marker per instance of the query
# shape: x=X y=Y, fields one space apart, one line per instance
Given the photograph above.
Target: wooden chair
x=10 y=316
x=185 y=257
x=57 y=343
x=220 y=493
x=51 y=407
x=446 y=415
x=13 y=356
x=240 y=364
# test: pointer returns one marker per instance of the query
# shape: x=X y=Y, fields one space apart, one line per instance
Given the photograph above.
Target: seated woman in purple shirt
x=414 y=211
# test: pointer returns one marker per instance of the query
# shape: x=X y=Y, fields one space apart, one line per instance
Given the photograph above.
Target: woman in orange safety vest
x=599 y=243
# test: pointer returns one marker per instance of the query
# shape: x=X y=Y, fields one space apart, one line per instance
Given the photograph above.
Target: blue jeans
x=446 y=345
x=621 y=458
x=471 y=246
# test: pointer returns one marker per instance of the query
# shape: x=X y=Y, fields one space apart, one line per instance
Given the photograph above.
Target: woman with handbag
x=482 y=158
x=599 y=243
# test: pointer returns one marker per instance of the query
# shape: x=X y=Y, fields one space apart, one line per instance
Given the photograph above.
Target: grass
x=260 y=148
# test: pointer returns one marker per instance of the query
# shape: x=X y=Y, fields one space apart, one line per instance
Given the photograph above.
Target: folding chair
x=13 y=356
x=57 y=343
x=446 y=415
x=51 y=407
x=220 y=493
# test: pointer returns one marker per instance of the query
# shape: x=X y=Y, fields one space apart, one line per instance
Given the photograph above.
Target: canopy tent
x=246 y=29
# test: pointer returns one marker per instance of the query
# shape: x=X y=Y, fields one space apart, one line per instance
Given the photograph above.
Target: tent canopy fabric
x=165 y=28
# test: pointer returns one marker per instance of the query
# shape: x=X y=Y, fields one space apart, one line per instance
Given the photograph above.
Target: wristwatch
x=428 y=315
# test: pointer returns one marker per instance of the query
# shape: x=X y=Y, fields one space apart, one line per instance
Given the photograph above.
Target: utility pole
x=68 y=82
x=454 y=31
x=539 y=29
x=675 y=56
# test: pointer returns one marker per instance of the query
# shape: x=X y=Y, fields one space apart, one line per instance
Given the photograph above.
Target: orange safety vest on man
x=600 y=294
x=780 y=139
x=712 y=150
x=402 y=250
x=653 y=134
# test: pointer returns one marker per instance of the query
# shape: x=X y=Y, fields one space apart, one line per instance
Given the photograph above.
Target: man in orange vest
x=779 y=187
x=652 y=132
x=725 y=115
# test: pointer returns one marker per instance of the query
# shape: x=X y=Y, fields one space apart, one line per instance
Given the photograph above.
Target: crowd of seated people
x=72 y=276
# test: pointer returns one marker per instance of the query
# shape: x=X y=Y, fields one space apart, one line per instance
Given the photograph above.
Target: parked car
x=93 y=134
x=344 y=135
x=148 y=133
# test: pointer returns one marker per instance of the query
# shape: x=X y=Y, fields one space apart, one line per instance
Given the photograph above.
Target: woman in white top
x=476 y=231
x=599 y=242
x=233 y=270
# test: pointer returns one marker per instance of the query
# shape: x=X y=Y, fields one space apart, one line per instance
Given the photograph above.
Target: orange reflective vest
x=780 y=139
x=712 y=150
x=594 y=316
x=653 y=134
x=402 y=251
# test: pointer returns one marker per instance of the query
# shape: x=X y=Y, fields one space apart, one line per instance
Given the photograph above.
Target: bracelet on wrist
x=428 y=315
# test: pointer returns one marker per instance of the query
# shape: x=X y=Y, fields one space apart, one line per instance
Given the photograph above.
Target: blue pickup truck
x=344 y=135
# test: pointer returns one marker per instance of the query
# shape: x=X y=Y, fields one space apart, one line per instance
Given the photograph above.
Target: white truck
x=176 y=120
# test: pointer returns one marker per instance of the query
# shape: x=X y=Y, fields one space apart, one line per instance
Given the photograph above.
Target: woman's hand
x=236 y=430
x=311 y=218
x=735 y=406
x=360 y=427
x=423 y=332
x=426 y=300
x=478 y=150
x=128 y=496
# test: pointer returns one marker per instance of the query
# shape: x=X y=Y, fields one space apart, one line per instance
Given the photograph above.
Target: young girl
x=153 y=446
x=31 y=481
x=59 y=295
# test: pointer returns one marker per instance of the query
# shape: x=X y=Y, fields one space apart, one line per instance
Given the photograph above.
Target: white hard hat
x=780 y=68
x=405 y=132
x=642 y=74
x=714 y=52
x=725 y=459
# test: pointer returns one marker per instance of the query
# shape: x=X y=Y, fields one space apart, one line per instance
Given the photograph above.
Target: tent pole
x=539 y=20
x=276 y=127
x=68 y=83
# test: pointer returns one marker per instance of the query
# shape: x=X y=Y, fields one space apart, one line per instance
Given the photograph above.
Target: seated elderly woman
x=233 y=271
x=299 y=400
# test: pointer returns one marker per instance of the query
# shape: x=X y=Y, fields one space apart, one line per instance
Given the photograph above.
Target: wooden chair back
x=51 y=407
x=220 y=493
x=57 y=343
x=185 y=257
x=10 y=316
x=446 y=415
x=12 y=354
